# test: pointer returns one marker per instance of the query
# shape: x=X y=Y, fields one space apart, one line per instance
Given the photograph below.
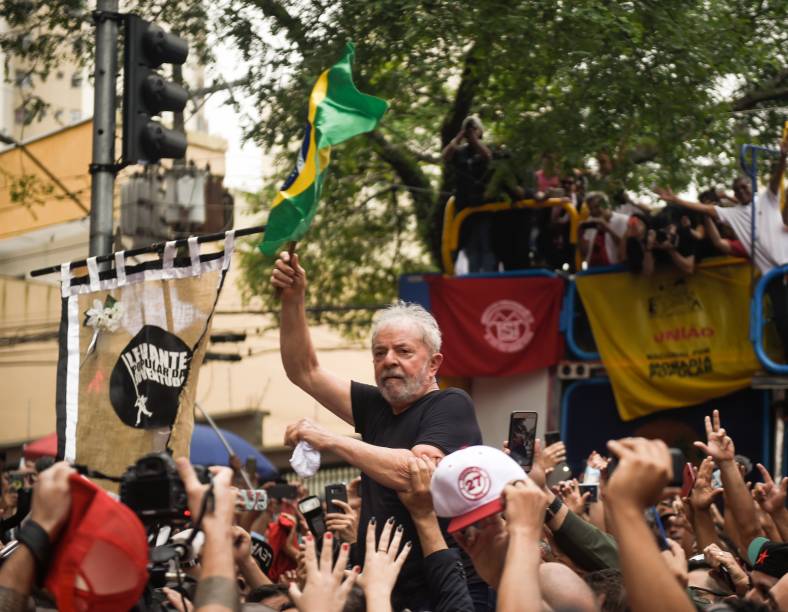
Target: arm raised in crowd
x=382 y=565
x=442 y=565
x=771 y=497
x=49 y=511
x=672 y=198
x=295 y=342
x=643 y=470
x=700 y=500
x=719 y=446
x=519 y=590
x=327 y=587
x=217 y=590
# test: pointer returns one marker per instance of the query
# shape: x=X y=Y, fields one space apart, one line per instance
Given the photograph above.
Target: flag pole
x=229 y=449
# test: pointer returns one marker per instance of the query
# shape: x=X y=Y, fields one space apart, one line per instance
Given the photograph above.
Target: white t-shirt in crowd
x=618 y=224
x=771 y=236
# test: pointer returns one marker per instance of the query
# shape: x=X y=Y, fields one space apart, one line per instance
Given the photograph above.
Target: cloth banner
x=131 y=344
x=497 y=326
x=670 y=340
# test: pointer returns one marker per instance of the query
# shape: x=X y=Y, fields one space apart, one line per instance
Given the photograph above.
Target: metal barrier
x=757 y=321
x=325 y=475
x=450 y=238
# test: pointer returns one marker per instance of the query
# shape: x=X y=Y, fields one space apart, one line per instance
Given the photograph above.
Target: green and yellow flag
x=337 y=111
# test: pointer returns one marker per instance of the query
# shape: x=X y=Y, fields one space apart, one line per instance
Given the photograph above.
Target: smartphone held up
x=522 y=437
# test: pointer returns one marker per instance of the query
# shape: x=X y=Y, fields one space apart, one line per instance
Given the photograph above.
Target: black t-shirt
x=470 y=169
x=443 y=419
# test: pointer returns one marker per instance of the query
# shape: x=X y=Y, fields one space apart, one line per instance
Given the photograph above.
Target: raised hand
x=664 y=193
x=382 y=564
x=344 y=524
x=717 y=557
x=644 y=469
x=676 y=560
x=52 y=498
x=288 y=276
x=770 y=495
x=553 y=455
x=418 y=499
x=569 y=491
x=525 y=505
x=326 y=587
x=719 y=446
x=703 y=494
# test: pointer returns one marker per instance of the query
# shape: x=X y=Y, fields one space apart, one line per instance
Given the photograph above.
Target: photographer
x=600 y=242
x=470 y=165
x=217 y=589
x=659 y=240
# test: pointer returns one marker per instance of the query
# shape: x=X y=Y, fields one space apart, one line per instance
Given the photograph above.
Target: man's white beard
x=408 y=390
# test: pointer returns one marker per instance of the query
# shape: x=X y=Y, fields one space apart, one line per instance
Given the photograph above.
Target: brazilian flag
x=337 y=111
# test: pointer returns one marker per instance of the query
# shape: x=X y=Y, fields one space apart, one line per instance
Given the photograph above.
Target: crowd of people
x=614 y=228
x=437 y=521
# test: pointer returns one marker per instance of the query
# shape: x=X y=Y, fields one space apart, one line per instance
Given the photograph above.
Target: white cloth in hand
x=305 y=460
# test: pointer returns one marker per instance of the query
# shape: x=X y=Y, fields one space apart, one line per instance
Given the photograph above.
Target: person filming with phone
x=404 y=415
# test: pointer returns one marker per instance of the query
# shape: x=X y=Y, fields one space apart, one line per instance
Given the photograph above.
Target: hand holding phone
x=335 y=491
x=522 y=437
x=688 y=480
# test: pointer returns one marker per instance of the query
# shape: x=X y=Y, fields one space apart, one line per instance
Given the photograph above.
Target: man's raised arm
x=295 y=343
x=672 y=198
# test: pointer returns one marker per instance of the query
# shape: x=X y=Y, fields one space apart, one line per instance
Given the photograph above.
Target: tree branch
x=293 y=27
x=408 y=170
x=774 y=89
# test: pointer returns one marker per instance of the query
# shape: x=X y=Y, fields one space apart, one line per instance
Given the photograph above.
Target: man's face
x=404 y=368
x=760 y=584
x=742 y=191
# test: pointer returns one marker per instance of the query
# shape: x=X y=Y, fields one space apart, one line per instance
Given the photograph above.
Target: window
x=59 y=75
x=75 y=115
x=76 y=80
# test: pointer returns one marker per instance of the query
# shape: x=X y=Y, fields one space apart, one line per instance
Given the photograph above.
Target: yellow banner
x=670 y=340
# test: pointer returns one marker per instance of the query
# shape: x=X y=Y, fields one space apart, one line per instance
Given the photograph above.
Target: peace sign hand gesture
x=719 y=445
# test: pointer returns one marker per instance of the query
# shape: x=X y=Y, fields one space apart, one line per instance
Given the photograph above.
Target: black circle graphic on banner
x=148 y=377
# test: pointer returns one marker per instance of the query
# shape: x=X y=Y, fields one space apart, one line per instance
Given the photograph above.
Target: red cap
x=101 y=558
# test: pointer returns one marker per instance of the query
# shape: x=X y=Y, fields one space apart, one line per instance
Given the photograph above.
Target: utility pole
x=103 y=168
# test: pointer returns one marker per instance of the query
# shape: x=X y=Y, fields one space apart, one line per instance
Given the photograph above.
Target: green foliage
x=663 y=89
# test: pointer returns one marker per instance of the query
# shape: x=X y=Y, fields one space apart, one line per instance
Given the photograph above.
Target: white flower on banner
x=103 y=317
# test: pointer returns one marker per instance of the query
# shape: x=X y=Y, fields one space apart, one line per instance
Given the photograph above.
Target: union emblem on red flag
x=497 y=326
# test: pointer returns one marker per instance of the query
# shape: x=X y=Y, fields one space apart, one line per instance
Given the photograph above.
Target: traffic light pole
x=103 y=168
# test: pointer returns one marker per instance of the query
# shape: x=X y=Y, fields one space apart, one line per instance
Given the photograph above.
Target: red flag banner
x=497 y=326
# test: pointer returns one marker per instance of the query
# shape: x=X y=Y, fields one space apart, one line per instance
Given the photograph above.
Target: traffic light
x=146 y=93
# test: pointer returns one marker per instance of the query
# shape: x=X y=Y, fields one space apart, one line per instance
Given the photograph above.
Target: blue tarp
x=207 y=449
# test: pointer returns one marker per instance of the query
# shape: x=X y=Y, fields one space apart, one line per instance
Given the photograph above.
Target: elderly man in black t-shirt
x=404 y=415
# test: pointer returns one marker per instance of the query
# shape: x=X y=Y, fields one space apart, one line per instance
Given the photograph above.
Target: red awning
x=43 y=447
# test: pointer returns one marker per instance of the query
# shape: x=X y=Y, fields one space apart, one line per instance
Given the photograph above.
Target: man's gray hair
x=412 y=314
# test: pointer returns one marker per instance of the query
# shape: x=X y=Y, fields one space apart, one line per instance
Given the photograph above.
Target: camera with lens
x=154 y=490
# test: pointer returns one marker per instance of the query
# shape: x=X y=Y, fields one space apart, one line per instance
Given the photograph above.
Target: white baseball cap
x=467 y=484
